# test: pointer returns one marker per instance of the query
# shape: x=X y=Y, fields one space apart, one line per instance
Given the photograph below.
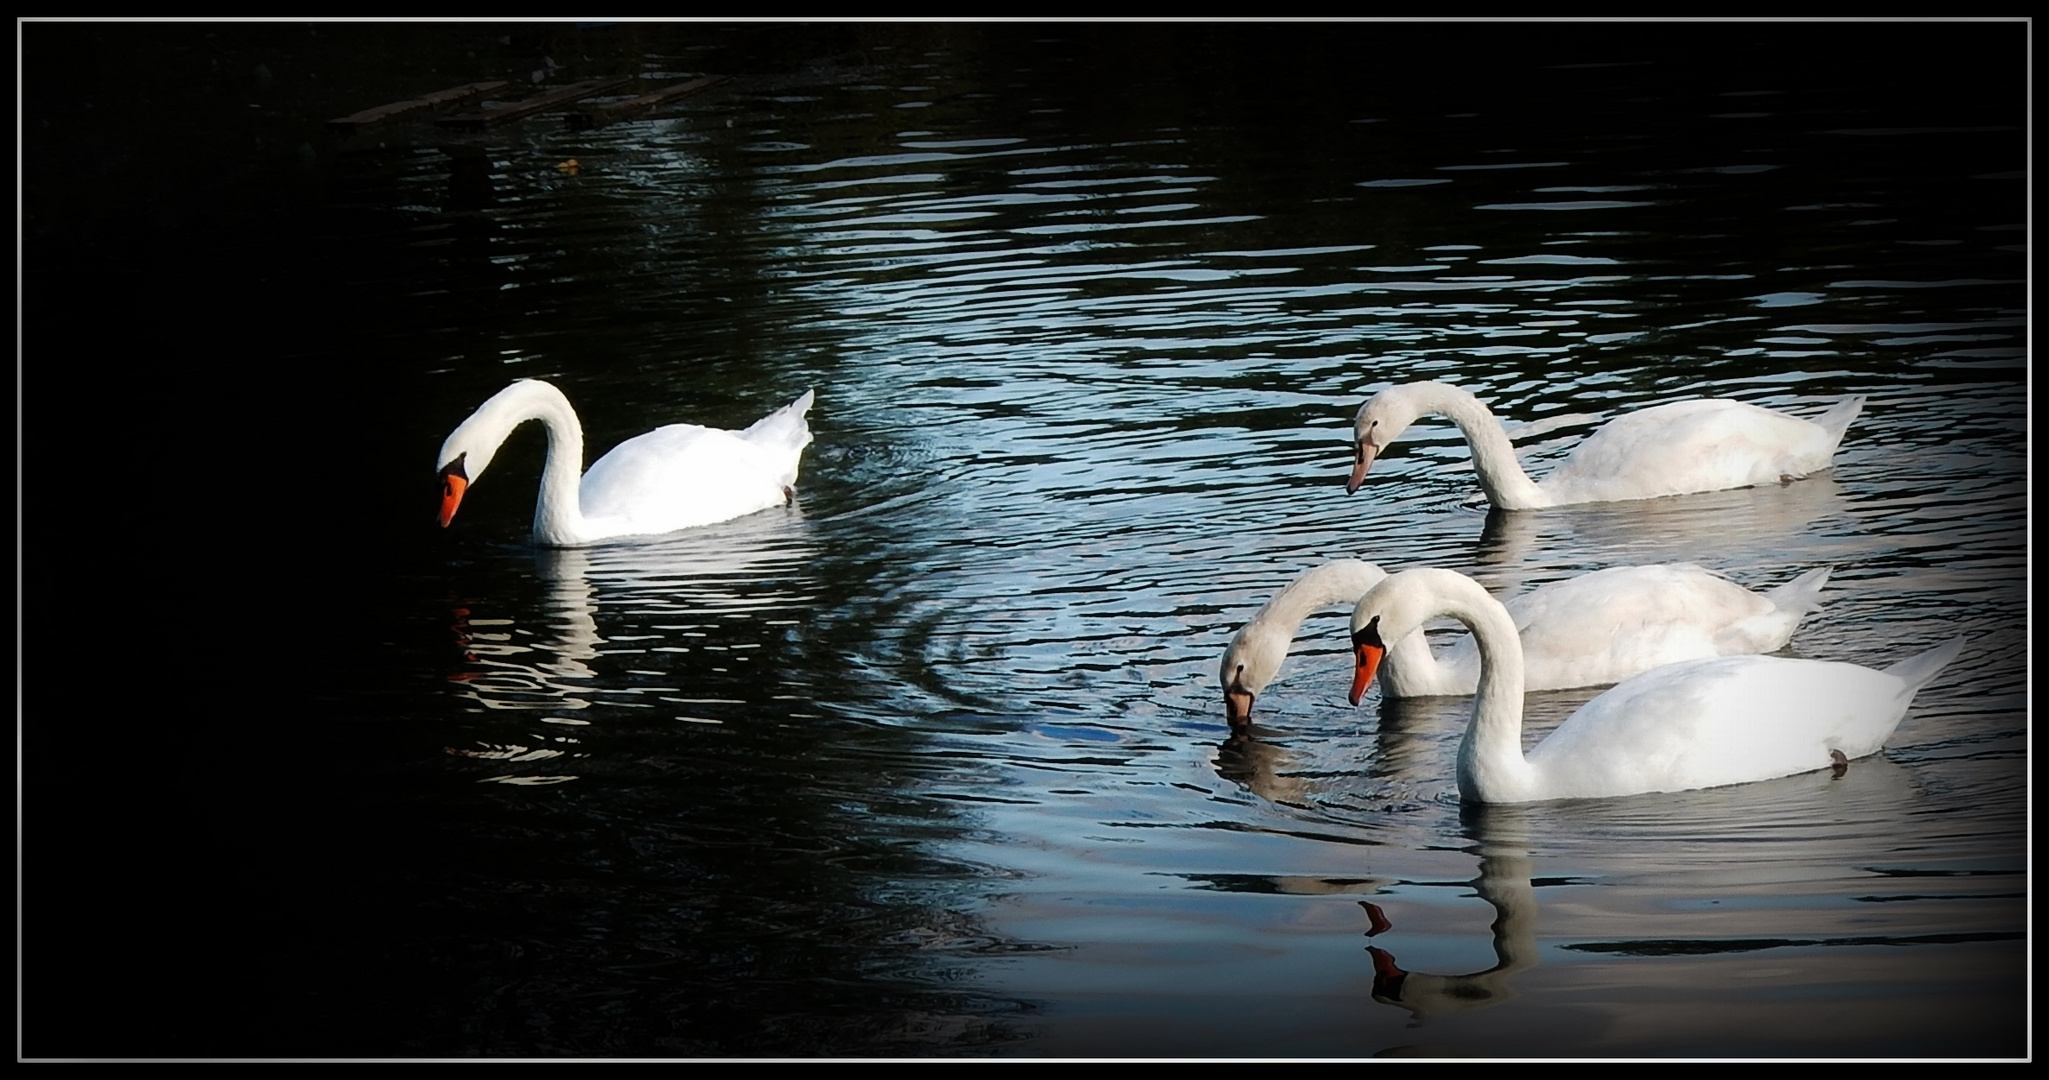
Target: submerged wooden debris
x=483 y=118
x=349 y=125
x=551 y=100
x=596 y=115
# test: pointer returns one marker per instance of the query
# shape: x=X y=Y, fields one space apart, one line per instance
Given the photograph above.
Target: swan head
x=1380 y=421
x=1251 y=662
x=468 y=450
x=464 y=457
x=1396 y=608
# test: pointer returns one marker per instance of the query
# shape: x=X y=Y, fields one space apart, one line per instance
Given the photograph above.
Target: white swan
x=1693 y=724
x=1707 y=444
x=1590 y=630
x=671 y=478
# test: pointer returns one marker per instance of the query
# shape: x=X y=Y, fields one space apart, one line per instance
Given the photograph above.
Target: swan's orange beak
x=1362 y=459
x=453 y=484
x=1370 y=653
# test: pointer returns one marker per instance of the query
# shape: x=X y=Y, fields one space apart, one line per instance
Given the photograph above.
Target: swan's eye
x=1368 y=634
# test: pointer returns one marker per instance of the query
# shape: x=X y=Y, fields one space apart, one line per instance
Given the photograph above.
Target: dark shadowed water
x=933 y=761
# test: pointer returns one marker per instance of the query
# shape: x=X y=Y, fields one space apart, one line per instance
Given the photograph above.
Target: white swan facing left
x=1681 y=447
x=1693 y=724
x=1597 y=628
x=671 y=478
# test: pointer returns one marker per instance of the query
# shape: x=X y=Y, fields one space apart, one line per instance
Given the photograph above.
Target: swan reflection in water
x=708 y=592
x=1813 y=840
x=507 y=667
x=1504 y=882
x=1807 y=521
x=1261 y=768
x=1408 y=755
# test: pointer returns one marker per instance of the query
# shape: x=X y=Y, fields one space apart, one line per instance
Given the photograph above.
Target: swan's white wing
x=1688 y=446
x=1706 y=723
x=680 y=476
x=1605 y=626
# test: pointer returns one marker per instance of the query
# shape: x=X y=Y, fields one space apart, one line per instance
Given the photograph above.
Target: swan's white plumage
x=1590 y=630
x=1693 y=724
x=674 y=477
x=1708 y=444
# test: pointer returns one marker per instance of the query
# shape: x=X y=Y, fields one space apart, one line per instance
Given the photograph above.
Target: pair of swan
x=671 y=478
x=1590 y=630
x=1708 y=444
x=683 y=475
x=1693 y=724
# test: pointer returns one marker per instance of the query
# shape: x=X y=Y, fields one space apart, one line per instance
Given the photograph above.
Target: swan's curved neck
x=1341 y=582
x=1410 y=669
x=1491 y=767
x=558 y=512
x=1501 y=475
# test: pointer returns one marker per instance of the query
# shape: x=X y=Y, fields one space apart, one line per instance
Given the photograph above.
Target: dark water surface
x=932 y=761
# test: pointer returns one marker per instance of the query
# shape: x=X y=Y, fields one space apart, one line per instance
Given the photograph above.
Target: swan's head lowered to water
x=1251 y=662
x=1380 y=421
x=1256 y=652
x=1398 y=607
x=464 y=457
x=468 y=450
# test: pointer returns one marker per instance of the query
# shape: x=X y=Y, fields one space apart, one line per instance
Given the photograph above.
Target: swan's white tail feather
x=1802 y=594
x=1917 y=670
x=1837 y=419
x=784 y=427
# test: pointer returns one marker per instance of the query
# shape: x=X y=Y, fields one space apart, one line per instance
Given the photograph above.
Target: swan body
x=671 y=478
x=1590 y=630
x=1693 y=724
x=1707 y=444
